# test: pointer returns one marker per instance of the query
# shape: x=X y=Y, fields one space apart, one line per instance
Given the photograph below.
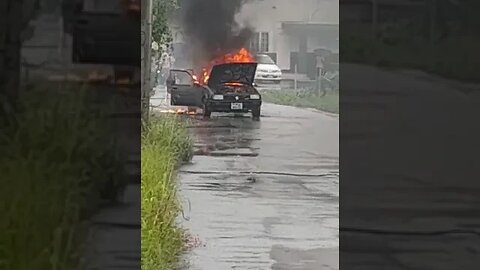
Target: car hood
x=234 y=72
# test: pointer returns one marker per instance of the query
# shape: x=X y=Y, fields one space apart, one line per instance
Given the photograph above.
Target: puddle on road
x=223 y=146
x=253 y=193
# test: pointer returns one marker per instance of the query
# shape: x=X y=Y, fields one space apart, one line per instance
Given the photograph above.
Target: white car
x=268 y=73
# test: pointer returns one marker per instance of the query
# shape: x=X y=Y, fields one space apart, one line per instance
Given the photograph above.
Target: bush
x=165 y=142
x=54 y=166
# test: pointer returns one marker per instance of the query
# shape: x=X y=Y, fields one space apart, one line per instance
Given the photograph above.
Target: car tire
x=256 y=113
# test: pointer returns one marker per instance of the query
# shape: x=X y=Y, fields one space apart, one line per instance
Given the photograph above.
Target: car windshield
x=264 y=59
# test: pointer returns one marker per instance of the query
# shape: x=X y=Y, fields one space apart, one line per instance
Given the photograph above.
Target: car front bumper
x=225 y=106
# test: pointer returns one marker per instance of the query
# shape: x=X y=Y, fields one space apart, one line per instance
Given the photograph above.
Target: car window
x=264 y=59
x=181 y=78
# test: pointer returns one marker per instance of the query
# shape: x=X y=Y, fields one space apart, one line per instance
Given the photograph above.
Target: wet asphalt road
x=410 y=165
x=263 y=195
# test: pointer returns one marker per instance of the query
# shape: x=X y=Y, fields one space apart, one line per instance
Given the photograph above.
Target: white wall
x=283 y=49
x=326 y=11
x=267 y=15
x=264 y=15
x=327 y=41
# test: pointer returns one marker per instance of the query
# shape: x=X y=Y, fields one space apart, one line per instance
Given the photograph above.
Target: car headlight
x=218 y=97
x=254 y=96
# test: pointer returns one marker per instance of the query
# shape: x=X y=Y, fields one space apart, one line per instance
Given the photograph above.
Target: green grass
x=165 y=142
x=55 y=168
x=327 y=103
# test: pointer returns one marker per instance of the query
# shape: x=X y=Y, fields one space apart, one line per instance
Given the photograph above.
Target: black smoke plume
x=211 y=29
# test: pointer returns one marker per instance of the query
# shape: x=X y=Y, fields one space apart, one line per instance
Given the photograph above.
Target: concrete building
x=291 y=31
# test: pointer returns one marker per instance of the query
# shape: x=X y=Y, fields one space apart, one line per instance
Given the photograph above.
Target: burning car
x=229 y=87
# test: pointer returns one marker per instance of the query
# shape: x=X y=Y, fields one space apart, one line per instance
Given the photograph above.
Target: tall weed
x=55 y=165
x=165 y=143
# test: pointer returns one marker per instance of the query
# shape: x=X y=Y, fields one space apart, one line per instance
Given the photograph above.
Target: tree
x=161 y=35
x=161 y=11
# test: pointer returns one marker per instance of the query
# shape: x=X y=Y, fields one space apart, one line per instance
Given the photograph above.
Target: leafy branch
x=161 y=11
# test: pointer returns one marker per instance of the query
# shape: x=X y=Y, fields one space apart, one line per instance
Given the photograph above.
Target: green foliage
x=305 y=99
x=55 y=163
x=165 y=142
x=162 y=9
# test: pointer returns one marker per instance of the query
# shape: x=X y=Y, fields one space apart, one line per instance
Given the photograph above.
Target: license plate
x=236 y=106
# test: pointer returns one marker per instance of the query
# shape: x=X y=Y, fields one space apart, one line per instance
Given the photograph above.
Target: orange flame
x=182 y=111
x=195 y=80
x=240 y=56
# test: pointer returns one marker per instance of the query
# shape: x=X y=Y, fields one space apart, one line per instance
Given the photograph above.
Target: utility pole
x=146 y=57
